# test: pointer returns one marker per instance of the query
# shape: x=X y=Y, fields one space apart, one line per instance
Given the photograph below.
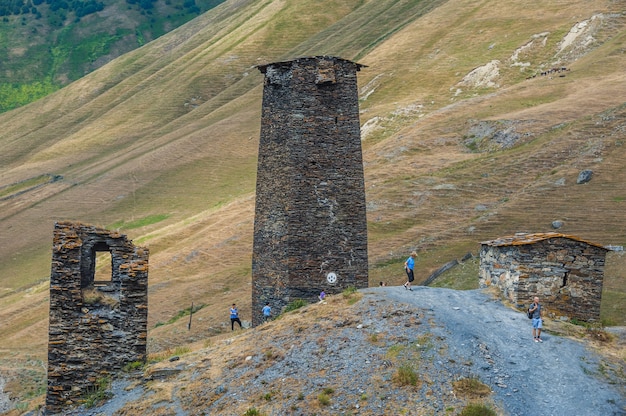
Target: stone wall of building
x=310 y=231
x=95 y=328
x=566 y=274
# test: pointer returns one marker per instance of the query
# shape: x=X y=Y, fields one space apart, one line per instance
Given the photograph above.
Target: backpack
x=530 y=314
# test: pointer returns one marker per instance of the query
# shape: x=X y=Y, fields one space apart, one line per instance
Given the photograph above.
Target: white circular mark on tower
x=331 y=277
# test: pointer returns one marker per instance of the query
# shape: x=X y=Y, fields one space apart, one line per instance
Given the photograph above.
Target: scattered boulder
x=584 y=176
x=557 y=224
x=494 y=135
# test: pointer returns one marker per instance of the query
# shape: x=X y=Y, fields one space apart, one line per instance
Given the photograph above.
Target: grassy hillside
x=161 y=143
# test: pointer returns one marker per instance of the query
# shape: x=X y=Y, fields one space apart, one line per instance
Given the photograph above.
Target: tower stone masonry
x=310 y=229
x=95 y=327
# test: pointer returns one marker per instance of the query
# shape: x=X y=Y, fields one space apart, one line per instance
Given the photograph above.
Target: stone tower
x=310 y=230
x=95 y=327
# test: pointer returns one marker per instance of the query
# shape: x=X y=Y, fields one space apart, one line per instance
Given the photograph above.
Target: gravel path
x=555 y=377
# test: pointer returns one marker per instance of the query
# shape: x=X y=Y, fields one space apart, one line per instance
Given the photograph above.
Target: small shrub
x=406 y=376
x=580 y=323
x=324 y=399
x=97 y=393
x=132 y=366
x=252 y=412
x=349 y=291
x=296 y=304
x=471 y=387
x=477 y=409
x=328 y=390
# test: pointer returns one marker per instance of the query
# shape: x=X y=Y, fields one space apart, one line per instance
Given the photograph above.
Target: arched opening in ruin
x=103 y=268
x=97 y=276
x=96 y=265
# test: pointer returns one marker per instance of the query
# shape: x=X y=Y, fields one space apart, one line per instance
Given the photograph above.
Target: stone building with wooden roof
x=566 y=272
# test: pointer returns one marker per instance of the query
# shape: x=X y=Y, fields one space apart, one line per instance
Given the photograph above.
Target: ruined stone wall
x=95 y=328
x=567 y=275
x=310 y=231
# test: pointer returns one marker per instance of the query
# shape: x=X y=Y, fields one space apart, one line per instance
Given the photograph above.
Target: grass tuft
x=477 y=409
x=252 y=411
x=323 y=399
x=296 y=304
x=471 y=387
x=97 y=393
x=406 y=375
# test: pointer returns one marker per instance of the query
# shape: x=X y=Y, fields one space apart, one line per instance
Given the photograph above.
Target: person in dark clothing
x=234 y=317
x=535 y=309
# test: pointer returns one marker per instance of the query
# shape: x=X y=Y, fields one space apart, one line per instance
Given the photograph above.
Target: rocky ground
x=345 y=357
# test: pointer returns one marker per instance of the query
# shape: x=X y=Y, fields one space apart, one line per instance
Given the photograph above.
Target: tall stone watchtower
x=310 y=230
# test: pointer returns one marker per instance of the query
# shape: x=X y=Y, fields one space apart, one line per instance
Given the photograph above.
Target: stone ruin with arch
x=96 y=327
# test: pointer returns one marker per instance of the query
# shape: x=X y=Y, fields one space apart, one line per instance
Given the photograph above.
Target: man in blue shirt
x=267 y=311
x=409 y=265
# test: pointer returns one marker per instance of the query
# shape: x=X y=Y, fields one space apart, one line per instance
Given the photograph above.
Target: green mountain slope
x=47 y=44
x=464 y=140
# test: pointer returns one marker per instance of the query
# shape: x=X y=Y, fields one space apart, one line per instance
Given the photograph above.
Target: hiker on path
x=535 y=309
x=267 y=312
x=234 y=317
x=409 y=265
